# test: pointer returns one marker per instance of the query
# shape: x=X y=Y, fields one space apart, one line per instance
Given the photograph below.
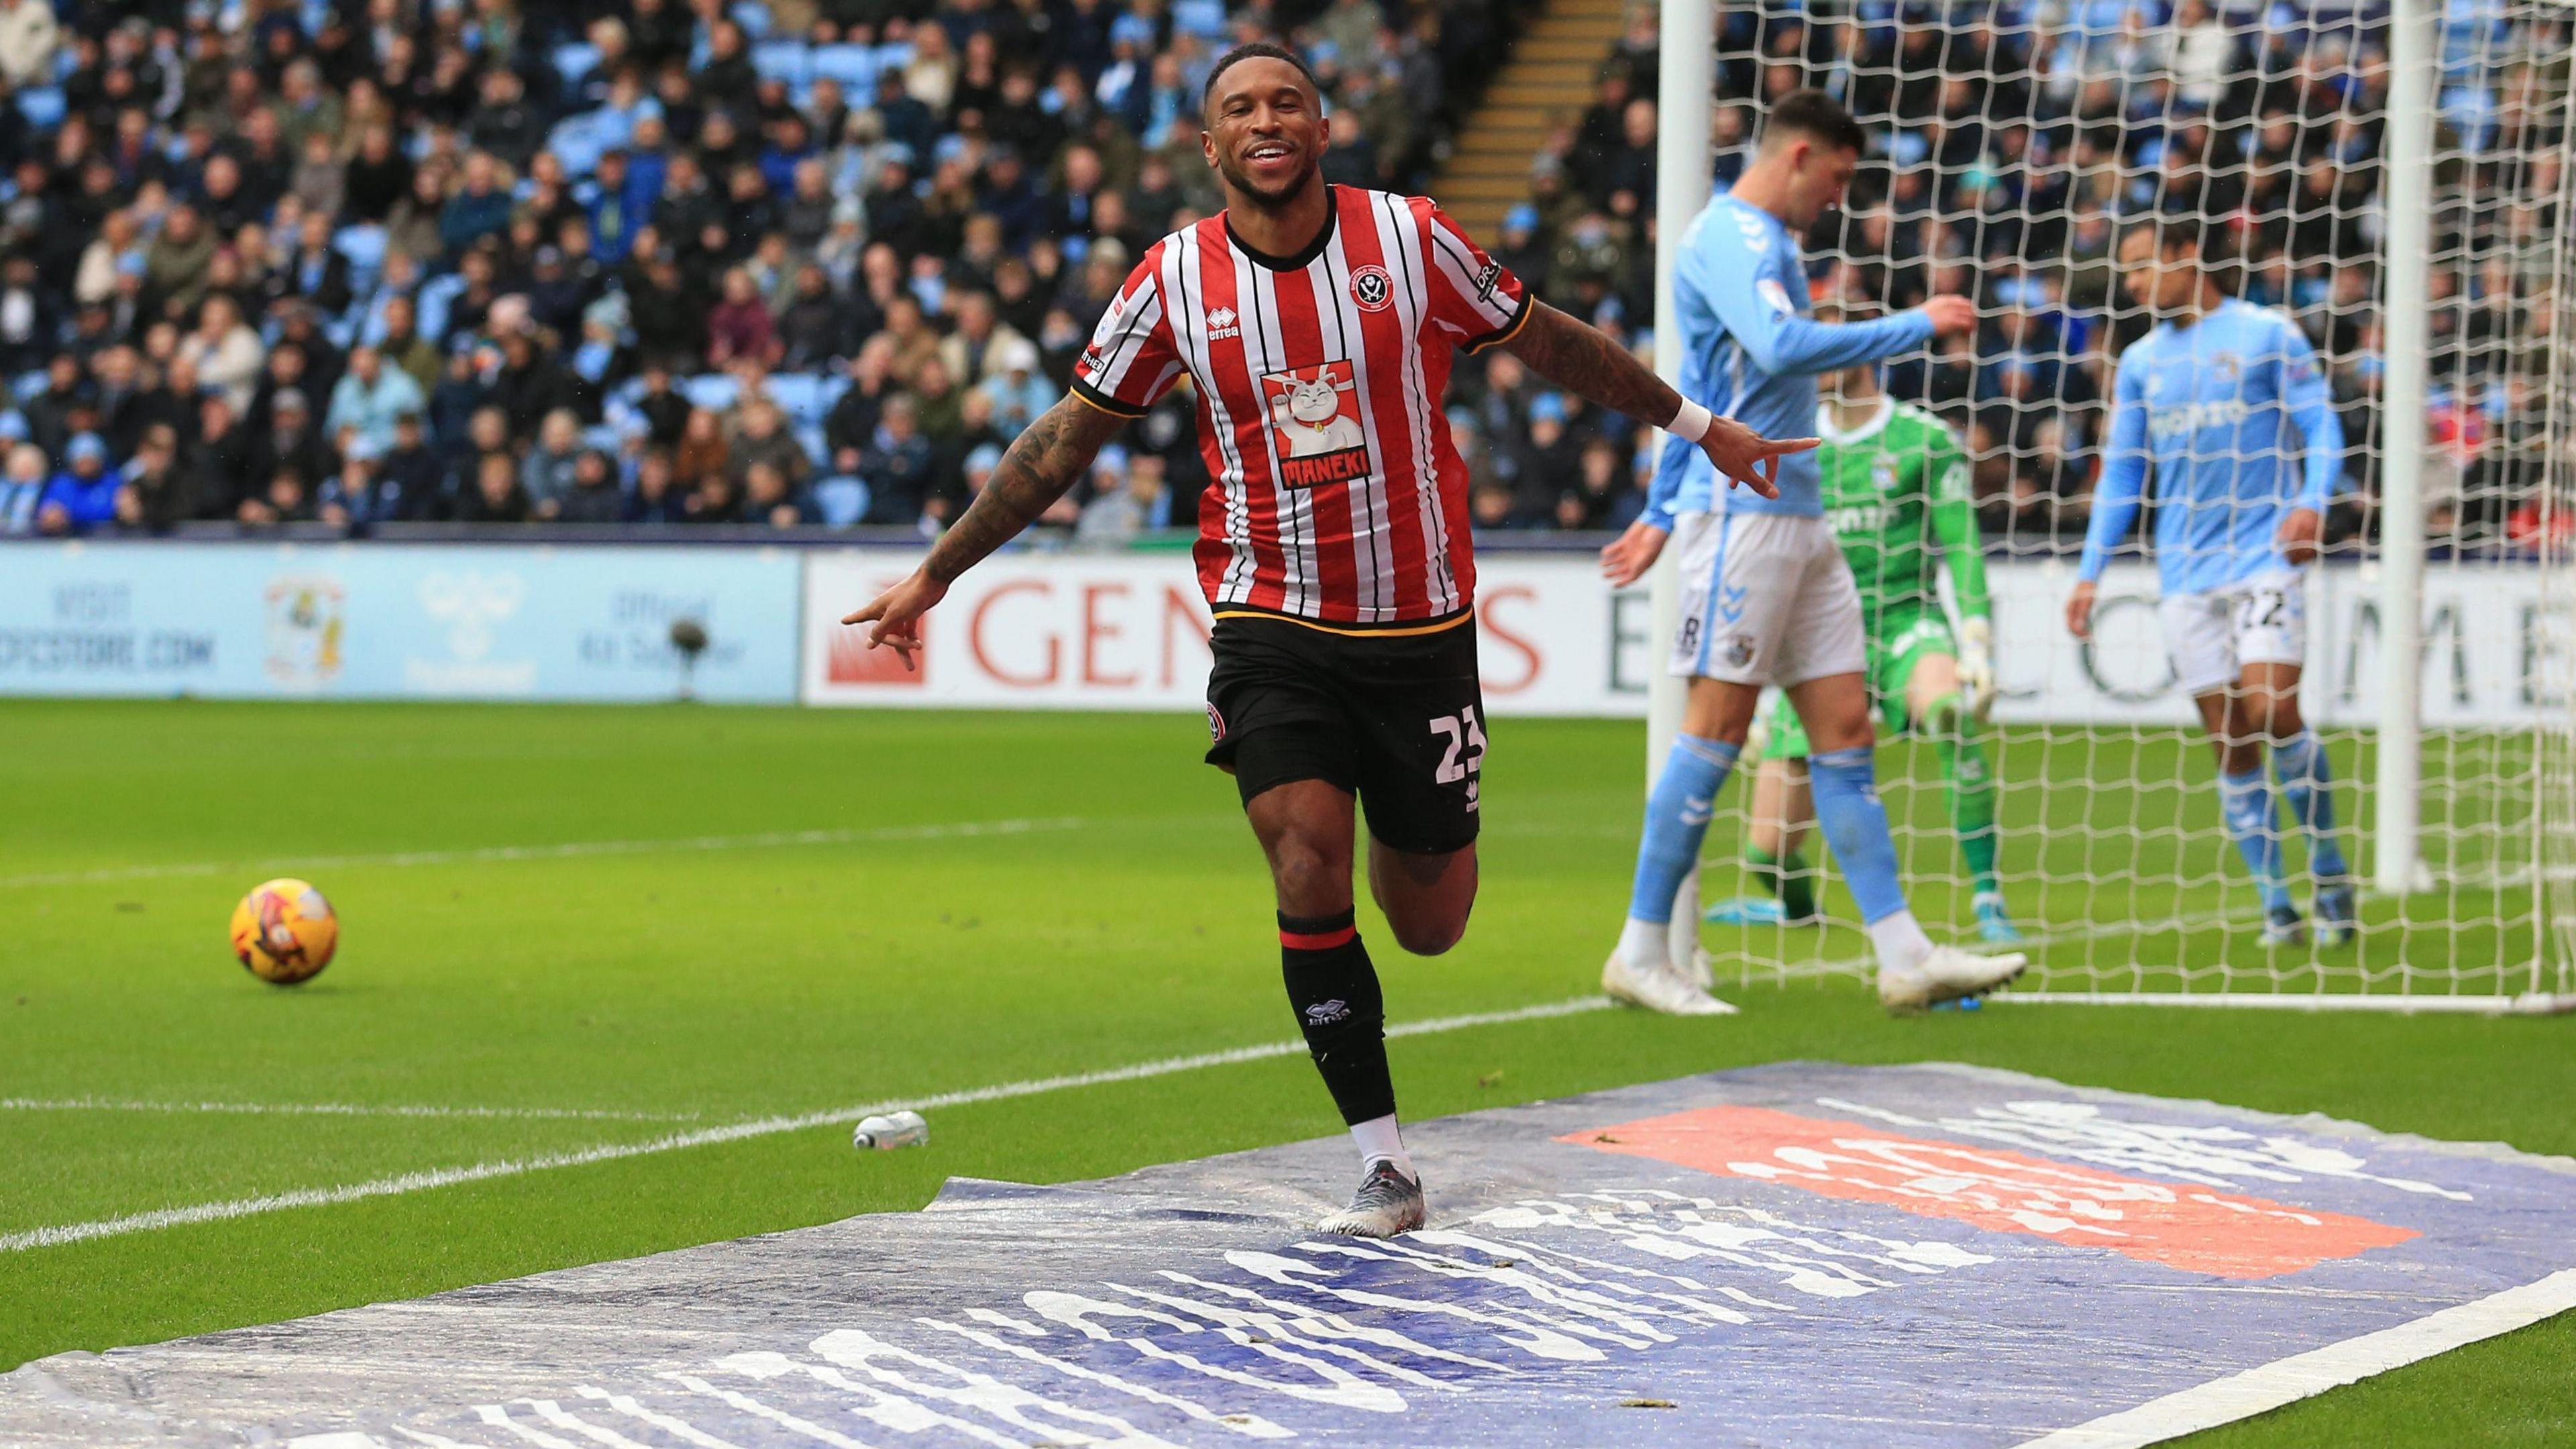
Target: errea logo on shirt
x=1221 y=325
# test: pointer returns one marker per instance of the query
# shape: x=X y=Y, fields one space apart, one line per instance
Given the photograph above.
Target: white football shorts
x=1766 y=599
x=2212 y=636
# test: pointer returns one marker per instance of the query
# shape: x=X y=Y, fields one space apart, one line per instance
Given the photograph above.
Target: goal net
x=2012 y=144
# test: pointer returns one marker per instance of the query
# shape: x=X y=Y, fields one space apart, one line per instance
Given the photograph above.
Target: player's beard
x=1244 y=191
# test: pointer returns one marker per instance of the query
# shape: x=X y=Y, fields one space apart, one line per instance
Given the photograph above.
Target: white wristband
x=1692 y=423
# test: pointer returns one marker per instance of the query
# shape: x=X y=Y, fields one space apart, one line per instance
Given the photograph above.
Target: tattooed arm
x=1047 y=458
x=1584 y=362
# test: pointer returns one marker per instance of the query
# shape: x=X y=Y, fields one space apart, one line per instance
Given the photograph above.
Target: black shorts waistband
x=1398 y=629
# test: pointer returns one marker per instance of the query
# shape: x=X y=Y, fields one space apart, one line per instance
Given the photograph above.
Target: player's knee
x=1428 y=935
x=1853 y=731
x=1311 y=874
x=2277 y=714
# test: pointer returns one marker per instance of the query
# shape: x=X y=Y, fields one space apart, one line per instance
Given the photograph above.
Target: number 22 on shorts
x=2260 y=609
x=1464 y=735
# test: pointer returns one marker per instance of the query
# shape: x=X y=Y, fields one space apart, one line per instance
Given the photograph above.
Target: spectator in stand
x=897 y=465
x=152 y=494
x=82 y=497
x=480 y=208
x=546 y=475
x=369 y=397
x=768 y=497
x=226 y=354
x=1019 y=393
x=23 y=481
x=739 y=326
x=594 y=495
x=495 y=496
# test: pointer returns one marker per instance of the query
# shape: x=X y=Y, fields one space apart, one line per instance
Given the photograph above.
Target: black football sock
x=1334 y=991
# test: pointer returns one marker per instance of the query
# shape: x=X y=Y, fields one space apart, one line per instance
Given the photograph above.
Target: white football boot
x=1387 y=1203
x=1658 y=986
x=1945 y=974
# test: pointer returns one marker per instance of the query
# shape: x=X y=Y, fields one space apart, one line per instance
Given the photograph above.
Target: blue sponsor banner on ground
x=1797 y=1254
x=379 y=621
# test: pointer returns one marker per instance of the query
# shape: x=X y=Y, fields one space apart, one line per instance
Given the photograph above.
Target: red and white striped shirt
x=1336 y=494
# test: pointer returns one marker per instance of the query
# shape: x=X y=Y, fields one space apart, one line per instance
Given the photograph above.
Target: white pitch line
x=423 y=1181
x=2285 y=1381
x=567 y=850
x=337 y=1109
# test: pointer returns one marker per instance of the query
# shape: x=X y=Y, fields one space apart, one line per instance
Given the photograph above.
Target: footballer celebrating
x=1316 y=324
x=1766 y=595
x=2209 y=400
x=1895 y=488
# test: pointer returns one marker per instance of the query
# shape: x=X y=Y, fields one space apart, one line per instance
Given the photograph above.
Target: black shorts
x=1394 y=718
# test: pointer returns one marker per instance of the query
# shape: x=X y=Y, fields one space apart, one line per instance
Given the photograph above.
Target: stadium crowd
x=815 y=262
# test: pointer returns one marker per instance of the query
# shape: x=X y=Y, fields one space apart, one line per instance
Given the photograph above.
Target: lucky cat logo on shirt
x=1315 y=425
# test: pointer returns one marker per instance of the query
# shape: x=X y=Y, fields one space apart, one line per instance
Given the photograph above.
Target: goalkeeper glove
x=1977 y=666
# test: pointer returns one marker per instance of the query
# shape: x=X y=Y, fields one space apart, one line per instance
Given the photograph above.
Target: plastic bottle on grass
x=894 y=1129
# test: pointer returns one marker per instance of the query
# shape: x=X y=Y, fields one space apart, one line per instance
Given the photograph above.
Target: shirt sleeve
x=1132 y=359
x=1749 y=289
x=1475 y=301
x=2310 y=404
x=1954 y=522
x=2123 y=488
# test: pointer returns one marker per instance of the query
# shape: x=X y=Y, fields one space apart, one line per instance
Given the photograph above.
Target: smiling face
x=1265 y=132
x=1313 y=402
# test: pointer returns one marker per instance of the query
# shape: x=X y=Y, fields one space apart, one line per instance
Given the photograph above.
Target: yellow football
x=285 y=932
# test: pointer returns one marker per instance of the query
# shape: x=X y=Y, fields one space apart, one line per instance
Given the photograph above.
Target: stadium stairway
x=1548 y=81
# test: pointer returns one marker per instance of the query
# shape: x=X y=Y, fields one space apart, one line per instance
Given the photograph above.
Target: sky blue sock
x=1845 y=783
x=2246 y=800
x=1676 y=822
x=2307 y=787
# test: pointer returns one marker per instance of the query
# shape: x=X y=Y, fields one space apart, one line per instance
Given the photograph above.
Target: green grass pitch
x=687 y=976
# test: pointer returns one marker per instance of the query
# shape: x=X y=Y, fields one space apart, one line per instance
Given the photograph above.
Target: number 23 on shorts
x=1464 y=736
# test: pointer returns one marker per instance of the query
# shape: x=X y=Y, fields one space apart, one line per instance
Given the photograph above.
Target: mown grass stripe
x=424 y=1181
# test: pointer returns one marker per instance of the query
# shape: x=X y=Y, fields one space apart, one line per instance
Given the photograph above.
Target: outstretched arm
x=1588 y=364
x=1043 y=463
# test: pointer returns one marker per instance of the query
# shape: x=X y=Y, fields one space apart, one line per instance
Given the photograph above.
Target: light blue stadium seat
x=854 y=66
x=713 y=391
x=842 y=501
x=364 y=246
x=834 y=384
x=799 y=395
x=42 y=106
x=1203 y=18
x=810 y=437
x=752 y=16
x=577 y=143
x=27 y=384
x=602 y=436
x=574 y=60
x=784 y=60
x=437 y=295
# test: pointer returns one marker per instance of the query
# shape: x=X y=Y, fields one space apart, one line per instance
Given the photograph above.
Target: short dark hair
x=1819 y=117
x=2218 y=249
x=1256 y=50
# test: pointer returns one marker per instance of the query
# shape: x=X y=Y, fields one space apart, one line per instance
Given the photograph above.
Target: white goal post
x=2441 y=296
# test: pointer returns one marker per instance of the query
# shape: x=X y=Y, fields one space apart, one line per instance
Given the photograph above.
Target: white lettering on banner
x=1129 y=631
